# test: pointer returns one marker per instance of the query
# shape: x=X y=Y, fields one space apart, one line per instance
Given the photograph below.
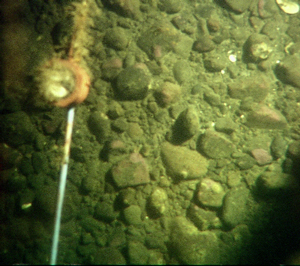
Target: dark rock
x=204 y=44
x=108 y=256
x=186 y=125
x=234 y=209
x=138 y=254
x=132 y=215
x=191 y=246
x=289 y=70
x=132 y=84
x=104 y=211
x=278 y=147
x=203 y=219
x=116 y=38
x=99 y=125
x=16 y=129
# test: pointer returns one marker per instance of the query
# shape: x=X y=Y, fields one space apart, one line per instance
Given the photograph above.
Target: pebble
x=131 y=171
x=182 y=163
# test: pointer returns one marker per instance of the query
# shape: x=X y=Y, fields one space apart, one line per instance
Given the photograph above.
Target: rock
x=108 y=256
x=132 y=215
x=138 y=254
x=238 y=5
x=116 y=38
x=104 y=211
x=158 y=202
x=16 y=129
x=127 y=8
x=211 y=97
x=261 y=156
x=215 y=146
x=234 y=209
x=132 y=84
x=182 y=71
x=278 y=147
x=203 y=219
x=111 y=68
x=258 y=47
x=274 y=183
x=256 y=87
x=211 y=193
x=186 y=125
x=265 y=117
x=215 y=64
x=170 y=6
x=190 y=246
x=289 y=70
x=182 y=163
x=245 y=162
x=204 y=44
x=159 y=39
x=226 y=125
x=131 y=171
x=168 y=94
x=99 y=125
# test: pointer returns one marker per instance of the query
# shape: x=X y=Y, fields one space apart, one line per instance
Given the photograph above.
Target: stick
x=62 y=185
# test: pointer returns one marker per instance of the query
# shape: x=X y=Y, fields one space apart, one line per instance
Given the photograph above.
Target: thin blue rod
x=62 y=185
